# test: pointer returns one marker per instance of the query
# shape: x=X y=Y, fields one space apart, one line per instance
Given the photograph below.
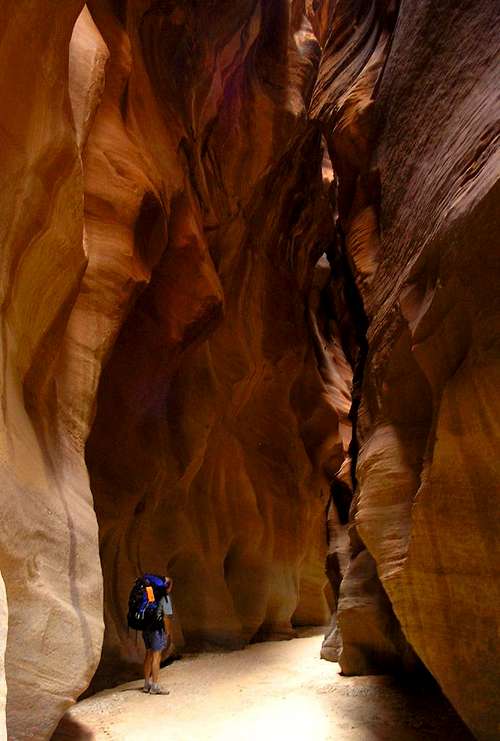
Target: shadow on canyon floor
x=265 y=691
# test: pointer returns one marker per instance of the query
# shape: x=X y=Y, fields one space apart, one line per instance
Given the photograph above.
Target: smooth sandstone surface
x=48 y=529
x=220 y=224
x=3 y=642
x=218 y=422
x=434 y=355
x=412 y=130
x=364 y=634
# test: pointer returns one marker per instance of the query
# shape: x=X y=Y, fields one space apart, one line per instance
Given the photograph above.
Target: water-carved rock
x=217 y=222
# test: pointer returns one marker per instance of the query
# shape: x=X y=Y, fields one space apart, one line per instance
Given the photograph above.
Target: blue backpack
x=144 y=611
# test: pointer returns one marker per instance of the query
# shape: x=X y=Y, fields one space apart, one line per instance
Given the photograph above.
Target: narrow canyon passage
x=250 y=338
x=266 y=692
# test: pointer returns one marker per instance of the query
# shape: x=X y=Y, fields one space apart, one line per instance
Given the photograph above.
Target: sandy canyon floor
x=265 y=692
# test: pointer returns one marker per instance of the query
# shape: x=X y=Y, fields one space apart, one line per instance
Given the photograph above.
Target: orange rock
x=216 y=223
x=3 y=642
x=48 y=529
x=206 y=458
x=424 y=129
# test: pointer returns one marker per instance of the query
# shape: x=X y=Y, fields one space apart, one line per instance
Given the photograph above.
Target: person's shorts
x=154 y=640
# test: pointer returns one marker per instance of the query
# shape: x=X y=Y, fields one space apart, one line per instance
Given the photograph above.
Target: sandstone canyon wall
x=3 y=642
x=137 y=235
x=216 y=431
x=48 y=530
x=434 y=357
x=412 y=128
x=220 y=220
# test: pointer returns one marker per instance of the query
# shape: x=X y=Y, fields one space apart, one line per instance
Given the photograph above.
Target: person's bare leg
x=148 y=663
x=155 y=673
x=155 y=666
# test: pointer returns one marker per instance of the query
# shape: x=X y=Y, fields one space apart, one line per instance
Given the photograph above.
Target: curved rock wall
x=434 y=350
x=218 y=425
x=365 y=635
x=3 y=642
x=413 y=137
x=48 y=530
x=140 y=237
x=217 y=218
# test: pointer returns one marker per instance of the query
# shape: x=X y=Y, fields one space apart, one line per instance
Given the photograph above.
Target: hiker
x=156 y=641
x=150 y=610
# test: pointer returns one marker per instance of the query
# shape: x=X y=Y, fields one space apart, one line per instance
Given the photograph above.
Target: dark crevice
x=356 y=352
x=124 y=101
x=341 y=497
x=120 y=10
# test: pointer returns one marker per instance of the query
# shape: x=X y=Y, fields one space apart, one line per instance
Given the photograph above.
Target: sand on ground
x=265 y=692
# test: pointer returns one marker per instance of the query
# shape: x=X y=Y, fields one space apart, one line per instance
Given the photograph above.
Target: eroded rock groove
x=219 y=222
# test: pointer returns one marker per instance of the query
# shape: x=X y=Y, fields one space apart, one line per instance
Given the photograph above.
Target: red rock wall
x=412 y=133
x=219 y=423
x=3 y=642
x=140 y=238
x=48 y=529
x=364 y=636
x=215 y=220
x=434 y=350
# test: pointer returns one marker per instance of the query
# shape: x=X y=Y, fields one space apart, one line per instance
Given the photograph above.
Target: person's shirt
x=165 y=606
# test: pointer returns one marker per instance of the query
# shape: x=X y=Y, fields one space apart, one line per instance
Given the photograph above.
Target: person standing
x=156 y=641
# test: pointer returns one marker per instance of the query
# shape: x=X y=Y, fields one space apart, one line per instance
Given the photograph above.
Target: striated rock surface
x=3 y=641
x=415 y=147
x=434 y=355
x=364 y=635
x=220 y=224
x=140 y=238
x=219 y=424
x=48 y=529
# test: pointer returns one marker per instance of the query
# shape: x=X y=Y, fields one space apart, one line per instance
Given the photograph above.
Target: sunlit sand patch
x=265 y=692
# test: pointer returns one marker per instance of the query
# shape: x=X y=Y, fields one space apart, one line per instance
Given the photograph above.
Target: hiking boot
x=157 y=690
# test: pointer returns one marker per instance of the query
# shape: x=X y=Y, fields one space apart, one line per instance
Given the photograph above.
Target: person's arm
x=170 y=584
x=167 y=624
x=167 y=620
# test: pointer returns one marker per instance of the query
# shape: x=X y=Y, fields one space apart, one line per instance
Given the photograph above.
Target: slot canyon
x=250 y=332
